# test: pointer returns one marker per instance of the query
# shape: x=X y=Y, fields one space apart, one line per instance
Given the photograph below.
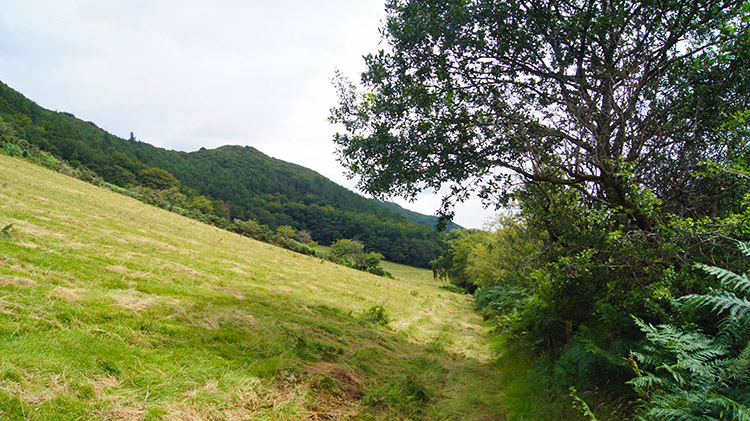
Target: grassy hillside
x=111 y=309
x=231 y=182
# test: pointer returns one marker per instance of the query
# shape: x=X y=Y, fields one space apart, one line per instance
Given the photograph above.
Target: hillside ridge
x=240 y=182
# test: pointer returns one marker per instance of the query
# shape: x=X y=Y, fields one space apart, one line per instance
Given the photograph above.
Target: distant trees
x=507 y=255
x=353 y=252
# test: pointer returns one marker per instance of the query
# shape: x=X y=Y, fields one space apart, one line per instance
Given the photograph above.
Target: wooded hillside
x=241 y=182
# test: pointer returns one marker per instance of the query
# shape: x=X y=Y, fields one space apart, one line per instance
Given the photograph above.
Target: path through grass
x=111 y=309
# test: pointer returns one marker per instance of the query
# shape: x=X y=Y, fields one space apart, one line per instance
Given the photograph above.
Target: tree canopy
x=609 y=98
x=157 y=178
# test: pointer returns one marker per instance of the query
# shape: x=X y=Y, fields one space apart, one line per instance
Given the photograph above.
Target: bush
x=500 y=300
x=454 y=288
x=286 y=231
x=376 y=315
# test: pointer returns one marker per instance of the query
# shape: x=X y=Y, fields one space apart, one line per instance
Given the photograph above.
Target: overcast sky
x=188 y=74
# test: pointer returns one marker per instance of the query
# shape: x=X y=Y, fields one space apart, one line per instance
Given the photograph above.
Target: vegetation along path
x=111 y=309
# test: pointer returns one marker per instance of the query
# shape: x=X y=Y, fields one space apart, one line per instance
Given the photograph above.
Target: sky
x=189 y=74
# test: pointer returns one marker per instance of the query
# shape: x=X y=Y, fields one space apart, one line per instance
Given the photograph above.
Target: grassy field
x=112 y=309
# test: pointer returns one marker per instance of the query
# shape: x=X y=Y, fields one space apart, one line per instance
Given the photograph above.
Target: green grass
x=112 y=309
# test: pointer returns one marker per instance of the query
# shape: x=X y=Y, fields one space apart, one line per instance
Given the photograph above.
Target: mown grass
x=111 y=309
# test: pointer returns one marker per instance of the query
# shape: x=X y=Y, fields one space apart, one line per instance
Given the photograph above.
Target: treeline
x=229 y=183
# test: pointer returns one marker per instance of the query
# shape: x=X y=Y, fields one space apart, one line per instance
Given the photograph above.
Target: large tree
x=621 y=100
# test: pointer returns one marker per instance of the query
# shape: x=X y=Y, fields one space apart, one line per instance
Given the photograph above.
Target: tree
x=509 y=255
x=286 y=231
x=452 y=265
x=621 y=101
x=349 y=250
x=157 y=178
x=303 y=237
x=202 y=204
x=371 y=260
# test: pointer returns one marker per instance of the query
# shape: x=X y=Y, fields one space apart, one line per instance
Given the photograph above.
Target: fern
x=685 y=375
x=726 y=300
x=581 y=405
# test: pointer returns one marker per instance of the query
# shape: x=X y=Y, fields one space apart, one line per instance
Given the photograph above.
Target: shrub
x=376 y=315
x=286 y=231
x=454 y=288
x=304 y=237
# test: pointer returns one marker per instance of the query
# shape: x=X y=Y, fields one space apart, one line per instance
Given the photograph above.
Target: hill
x=240 y=182
x=112 y=309
x=419 y=218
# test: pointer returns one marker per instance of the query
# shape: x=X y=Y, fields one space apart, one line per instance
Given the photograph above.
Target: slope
x=241 y=181
x=112 y=309
x=418 y=218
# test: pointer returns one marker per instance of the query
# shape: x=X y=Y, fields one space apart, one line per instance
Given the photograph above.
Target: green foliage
x=581 y=405
x=376 y=315
x=158 y=179
x=692 y=376
x=371 y=260
x=7 y=231
x=468 y=93
x=509 y=254
x=618 y=132
x=349 y=250
x=352 y=253
x=201 y=204
x=501 y=300
x=286 y=231
x=453 y=264
x=688 y=374
x=454 y=288
x=730 y=297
